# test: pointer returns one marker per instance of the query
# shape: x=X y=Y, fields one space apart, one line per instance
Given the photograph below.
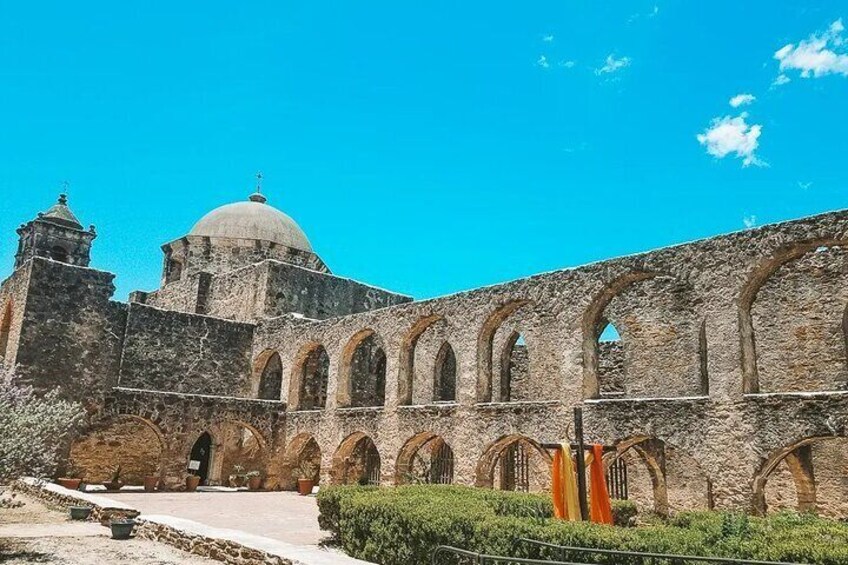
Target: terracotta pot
x=304 y=486
x=73 y=484
x=254 y=483
x=191 y=483
x=150 y=483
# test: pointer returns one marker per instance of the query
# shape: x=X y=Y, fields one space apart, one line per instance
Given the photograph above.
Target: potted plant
x=114 y=483
x=254 y=480
x=72 y=478
x=150 y=482
x=192 y=481
x=238 y=478
x=306 y=477
x=80 y=512
x=122 y=529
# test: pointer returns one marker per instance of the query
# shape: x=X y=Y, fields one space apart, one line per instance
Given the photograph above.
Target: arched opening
x=406 y=377
x=515 y=367
x=356 y=461
x=238 y=449
x=444 y=381
x=795 y=306
x=271 y=380
x=807 y=476
x=662 y=478
x=173 y=270
x=610 y=361
x=485 y=347
x=516 y=463
x=659 y=351
x=132 y=443
x=200 y=457
x=5 y=329
x=363 y=372
x=425 y=459
x=59 y=253
x=303 y=460
x=313 y=376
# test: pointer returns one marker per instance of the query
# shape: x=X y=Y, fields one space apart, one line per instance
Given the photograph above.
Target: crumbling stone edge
x=104 y=510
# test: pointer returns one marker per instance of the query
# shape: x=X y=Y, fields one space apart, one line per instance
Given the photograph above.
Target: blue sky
x=427 y=148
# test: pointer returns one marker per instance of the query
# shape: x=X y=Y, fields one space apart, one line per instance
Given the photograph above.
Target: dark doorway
x=200 y=456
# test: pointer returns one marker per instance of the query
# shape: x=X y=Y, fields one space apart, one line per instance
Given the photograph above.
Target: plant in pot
x=306 y=472
x=72 y=478
x=192 y=481
x=254 y=480
x=150 y=482
x=114 y=482
x=238 y=478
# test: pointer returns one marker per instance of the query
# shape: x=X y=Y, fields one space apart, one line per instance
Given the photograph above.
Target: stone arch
x=514 y=365
x=235 y=442
x=485 y=345
x=677 y=482
x=492 y=457
x=407 y=356
x=309 y=379
x=610 y=361
x=362 y=372
x=356 y=461
x=757 y=278
x=271 y=378
x=5 y=328
x=673 y=339
x=425 y=458
x=806 y=466
x=133 y=442
x=302 y=458
x=444 y=374
x=263 y=361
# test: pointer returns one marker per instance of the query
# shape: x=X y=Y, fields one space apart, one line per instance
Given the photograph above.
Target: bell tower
x=55 y=234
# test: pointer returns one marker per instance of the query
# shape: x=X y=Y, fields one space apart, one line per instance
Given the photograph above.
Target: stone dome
x=253 y=219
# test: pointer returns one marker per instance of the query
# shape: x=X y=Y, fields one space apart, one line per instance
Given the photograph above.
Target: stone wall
x=186 y=353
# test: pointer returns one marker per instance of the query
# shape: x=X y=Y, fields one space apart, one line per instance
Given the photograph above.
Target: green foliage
x=33 y=429
x=402 y=525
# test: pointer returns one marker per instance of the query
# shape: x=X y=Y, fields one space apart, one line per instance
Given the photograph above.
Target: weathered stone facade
x=727 y=387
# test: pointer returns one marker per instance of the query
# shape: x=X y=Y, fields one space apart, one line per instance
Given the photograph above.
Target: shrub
x=33 y=429
x=403 y=525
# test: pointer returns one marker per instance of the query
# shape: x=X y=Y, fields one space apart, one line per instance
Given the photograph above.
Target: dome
x=253 y=219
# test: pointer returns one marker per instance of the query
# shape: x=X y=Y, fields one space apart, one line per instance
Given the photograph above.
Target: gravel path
x=36 y=534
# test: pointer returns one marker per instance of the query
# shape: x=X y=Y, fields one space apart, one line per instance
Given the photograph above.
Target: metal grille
x=441 y=465
x=515 y=468
x=372 y=465
x=617 y=479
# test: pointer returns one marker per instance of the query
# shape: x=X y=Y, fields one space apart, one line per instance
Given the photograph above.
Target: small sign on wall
x=193 y=465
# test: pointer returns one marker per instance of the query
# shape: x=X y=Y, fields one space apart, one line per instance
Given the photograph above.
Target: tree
x=34 y=429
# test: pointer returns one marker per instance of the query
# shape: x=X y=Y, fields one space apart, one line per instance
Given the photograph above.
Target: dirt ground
x=35 y=534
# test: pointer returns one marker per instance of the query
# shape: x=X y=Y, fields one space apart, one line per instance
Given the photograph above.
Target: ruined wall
x=611 y=368
x=799 y=319
x=12 y=304
x=126 y=443
x=71 y=332
x=187 y=353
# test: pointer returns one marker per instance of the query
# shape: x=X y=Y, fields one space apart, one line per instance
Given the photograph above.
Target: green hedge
x=402 y=525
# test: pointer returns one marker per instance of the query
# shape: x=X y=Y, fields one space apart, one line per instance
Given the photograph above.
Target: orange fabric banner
x=600 y=506
x=569 y=485
x=558 y=492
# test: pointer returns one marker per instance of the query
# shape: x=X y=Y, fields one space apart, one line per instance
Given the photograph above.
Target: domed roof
x=253 y=219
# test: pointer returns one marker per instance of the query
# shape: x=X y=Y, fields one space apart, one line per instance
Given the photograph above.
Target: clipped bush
x=402 y=525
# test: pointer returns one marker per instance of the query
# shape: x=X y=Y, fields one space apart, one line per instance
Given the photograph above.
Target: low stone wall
x=102 y=509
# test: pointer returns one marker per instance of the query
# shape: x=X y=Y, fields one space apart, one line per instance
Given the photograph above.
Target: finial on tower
x=63 y=196
x=258 y=196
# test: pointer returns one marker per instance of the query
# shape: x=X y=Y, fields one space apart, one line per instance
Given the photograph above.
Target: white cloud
x=742 y=99
x=567 y=64
x=612 y=65
x=547 y=38
x=815 y=56
x=749 y=221
x=804 y=185
x=733 y=136
x=543 y=62
x=780 y=80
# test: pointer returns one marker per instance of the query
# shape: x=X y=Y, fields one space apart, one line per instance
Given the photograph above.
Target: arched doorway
x=271 y=380
x=363 y=371
x=444 y=378
x=356 y=461
x=515 y=462
x=303 y=460
x=200 y=458
x=425 y=459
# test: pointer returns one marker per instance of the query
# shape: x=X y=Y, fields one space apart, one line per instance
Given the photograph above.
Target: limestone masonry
x=717 y=368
